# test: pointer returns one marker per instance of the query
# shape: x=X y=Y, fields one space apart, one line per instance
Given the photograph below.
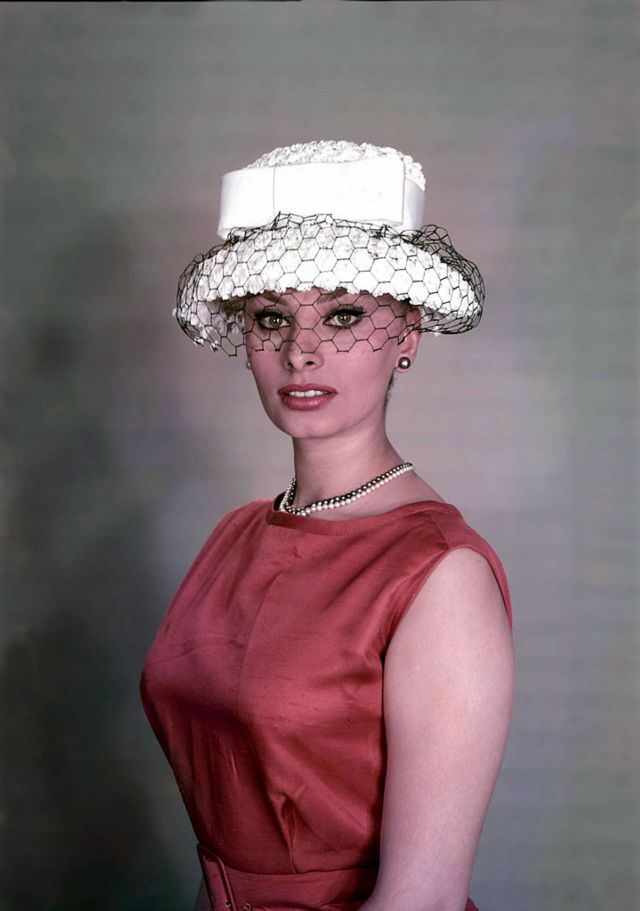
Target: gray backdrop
x=127 y=444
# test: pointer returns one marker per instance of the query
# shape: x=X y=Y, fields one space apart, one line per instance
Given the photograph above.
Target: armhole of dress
x=278 y=501
x=481 y=547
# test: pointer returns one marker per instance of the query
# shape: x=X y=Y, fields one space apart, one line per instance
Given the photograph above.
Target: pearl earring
x=404 y=362
x=247 y=365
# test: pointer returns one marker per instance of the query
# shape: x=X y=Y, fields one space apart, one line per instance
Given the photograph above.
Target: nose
x=301 y=348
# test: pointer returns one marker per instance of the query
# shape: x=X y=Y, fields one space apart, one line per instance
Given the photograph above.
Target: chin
x=302 y=426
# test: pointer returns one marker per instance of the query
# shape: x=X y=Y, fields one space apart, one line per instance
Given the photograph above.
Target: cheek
x=365 y=378
x=265 y=385
x=270 y=402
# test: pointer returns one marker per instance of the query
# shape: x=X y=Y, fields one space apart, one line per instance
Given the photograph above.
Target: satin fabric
x=263 y=686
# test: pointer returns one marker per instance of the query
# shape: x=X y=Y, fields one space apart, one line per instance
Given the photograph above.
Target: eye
x=264 y=317
x=351 y=313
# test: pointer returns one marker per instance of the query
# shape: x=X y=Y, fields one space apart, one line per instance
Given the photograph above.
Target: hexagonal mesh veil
x=371 y=266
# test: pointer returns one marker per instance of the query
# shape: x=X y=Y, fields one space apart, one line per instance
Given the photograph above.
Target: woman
x=333 y=681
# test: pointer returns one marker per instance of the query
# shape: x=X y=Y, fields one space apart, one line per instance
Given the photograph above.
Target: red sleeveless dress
x=264 y=688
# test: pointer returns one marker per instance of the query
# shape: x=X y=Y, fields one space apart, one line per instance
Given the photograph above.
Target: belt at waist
x=239 y=890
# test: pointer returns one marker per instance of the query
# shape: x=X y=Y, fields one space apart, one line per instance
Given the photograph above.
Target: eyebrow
x=322 y=298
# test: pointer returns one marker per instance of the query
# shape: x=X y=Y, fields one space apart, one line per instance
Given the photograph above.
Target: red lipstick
x=306 y=402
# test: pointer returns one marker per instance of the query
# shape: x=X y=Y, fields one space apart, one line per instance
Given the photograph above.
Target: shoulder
x=242 y=516
x=468 y=558
x=453 y=651
x=462 y=585
x=459 y=615
x=440 y=548
x=247 y=510
x=234 y=523
x=457 y=627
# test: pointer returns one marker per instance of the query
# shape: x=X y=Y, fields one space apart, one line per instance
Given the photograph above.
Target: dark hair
x=232 y=306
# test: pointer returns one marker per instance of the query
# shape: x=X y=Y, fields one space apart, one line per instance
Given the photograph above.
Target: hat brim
x=294 y=252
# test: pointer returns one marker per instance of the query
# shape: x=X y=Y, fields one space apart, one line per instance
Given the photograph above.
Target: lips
x=306 y=387
x=306 y=396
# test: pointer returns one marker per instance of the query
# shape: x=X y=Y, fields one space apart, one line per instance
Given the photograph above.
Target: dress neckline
x=359 y=523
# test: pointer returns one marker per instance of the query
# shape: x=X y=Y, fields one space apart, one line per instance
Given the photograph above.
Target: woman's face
x=345 y=342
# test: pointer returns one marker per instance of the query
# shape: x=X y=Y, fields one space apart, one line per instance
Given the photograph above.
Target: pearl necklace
x=342 y=499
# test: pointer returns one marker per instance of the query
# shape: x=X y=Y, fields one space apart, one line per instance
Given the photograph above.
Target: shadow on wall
x=81 y=601
x=79 y=834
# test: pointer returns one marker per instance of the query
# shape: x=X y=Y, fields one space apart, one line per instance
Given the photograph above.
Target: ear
x=409 y=345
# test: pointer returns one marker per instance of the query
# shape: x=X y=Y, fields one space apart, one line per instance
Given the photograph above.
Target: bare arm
x=202 y=900
x=448 y=693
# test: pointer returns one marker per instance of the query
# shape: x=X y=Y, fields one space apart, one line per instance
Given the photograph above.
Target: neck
x=328 y=467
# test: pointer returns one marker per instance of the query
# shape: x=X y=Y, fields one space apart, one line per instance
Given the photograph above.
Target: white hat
x=324 y=215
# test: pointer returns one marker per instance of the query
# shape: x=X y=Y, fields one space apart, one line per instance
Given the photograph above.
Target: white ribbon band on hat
x=370 y=189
